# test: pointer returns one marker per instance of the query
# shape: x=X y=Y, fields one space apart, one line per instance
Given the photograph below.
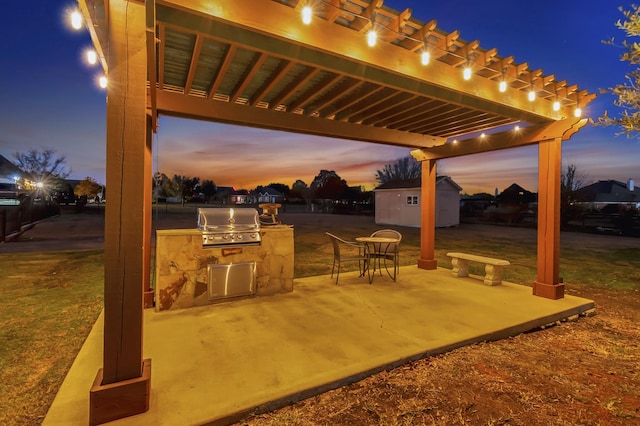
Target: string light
x=532 y=95
x=577 y=112
x=76 y=20
x=502 y=86
x=466 y=72
x=307 y=12
x=102 y=82
x=425 y=57
x=372 y=37
x=92 y=57
x=556 y=105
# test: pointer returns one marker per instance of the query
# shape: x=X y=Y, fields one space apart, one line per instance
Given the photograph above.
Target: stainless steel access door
x=231 y=280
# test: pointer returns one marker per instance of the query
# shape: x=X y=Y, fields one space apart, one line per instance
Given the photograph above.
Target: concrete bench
x=493 y=267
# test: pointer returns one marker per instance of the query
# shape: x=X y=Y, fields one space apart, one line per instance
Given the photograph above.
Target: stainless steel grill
x=233 y=226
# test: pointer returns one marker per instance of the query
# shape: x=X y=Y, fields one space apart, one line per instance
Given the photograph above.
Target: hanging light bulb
x=425 y=57
x=76 y=20
x=532 y=95
x=92 y=57
x=466 y=72
x=556 y=105
x=307 y=12
x=577 y=112
x=372 y=36
x=502 y=86
x=516 y=129
x=102 y=82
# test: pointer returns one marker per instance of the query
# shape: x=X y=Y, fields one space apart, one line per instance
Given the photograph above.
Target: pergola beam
x=562 y=129
x=178 y=105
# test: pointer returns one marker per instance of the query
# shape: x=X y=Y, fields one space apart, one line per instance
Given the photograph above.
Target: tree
x=627 y=95
x=404 y=169
x=87 y=187
x=165 y=187
x=43 y=166
x=209 y=189
x=328 y=185
x=570 y=182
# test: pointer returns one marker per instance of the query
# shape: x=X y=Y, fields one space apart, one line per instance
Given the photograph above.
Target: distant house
x=399 y=203
x=608 y=192
x=12 y=182
x=516 y=195
x=10 y=173
x=228 y=194
x=265 y=194
x=240 y=196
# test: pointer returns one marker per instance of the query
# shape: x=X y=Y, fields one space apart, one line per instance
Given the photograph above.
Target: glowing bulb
x=556 y=106
x=466 y=73
x=483 y=136
x=306 y=15
x=92 y=57
x=371 y=38
x=76 y=20
x=516 y=129
x=426 y=57
x=577 y=112
x=532 y=95
x=502 y=86
x=102 y=82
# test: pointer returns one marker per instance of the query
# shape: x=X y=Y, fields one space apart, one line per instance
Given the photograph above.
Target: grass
x=49 y=301
x=48 y=304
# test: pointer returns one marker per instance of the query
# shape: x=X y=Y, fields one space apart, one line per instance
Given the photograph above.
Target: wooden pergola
x=255 y=63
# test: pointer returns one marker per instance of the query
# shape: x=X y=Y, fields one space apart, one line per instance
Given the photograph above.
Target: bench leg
x=493 y=275
x=460 y=267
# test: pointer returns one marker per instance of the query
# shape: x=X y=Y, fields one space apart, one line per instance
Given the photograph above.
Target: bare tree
x=570 y=182
x=404 y=169
x=43 y=166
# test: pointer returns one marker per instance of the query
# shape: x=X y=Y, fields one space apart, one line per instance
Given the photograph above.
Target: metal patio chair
x=383 y=252
x=347 y=251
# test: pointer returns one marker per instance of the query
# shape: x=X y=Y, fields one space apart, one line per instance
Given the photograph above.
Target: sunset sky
x=50 y=99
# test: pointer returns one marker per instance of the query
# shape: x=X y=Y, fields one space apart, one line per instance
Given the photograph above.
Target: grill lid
x=228 y=220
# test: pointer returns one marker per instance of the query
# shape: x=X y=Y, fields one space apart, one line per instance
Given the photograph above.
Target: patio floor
x=218 y=363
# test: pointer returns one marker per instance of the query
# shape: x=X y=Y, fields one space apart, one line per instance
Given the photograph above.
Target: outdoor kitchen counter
x=181 y=278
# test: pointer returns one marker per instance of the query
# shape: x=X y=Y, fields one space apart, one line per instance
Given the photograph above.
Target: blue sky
x=50 y=99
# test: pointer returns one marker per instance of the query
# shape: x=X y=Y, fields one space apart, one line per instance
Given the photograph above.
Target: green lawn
x=49 y=301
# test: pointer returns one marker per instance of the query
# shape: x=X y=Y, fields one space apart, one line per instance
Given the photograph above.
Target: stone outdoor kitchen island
x=182 y=265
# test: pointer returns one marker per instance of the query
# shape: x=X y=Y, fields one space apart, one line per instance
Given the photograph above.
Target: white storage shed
x=400 y=203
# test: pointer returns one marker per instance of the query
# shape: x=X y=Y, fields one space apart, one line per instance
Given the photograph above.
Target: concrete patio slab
x=216 y=364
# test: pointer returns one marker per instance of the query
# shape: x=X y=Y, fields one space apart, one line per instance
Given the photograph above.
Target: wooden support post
x=549 y=173
x=122 y=386
x=428 y=216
